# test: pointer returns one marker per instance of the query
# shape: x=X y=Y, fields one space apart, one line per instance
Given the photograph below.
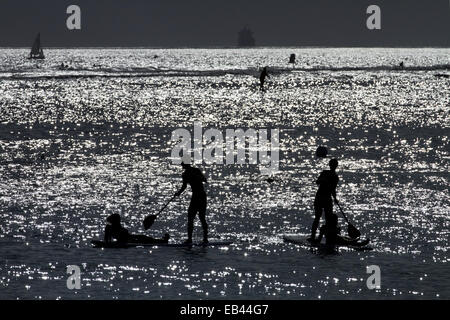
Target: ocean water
x=79 y=144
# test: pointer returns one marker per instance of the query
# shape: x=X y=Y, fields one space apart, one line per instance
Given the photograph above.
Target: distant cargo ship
x=246 y=38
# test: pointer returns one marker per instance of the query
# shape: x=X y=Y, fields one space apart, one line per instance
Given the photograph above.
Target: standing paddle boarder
x=195 y=178
x=327 y=182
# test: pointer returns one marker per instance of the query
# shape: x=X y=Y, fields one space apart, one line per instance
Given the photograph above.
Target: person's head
x=333 y=164
x=113 y=219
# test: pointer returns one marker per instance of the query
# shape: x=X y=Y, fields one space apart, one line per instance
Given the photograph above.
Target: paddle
x=352 y=231
x=149 y=220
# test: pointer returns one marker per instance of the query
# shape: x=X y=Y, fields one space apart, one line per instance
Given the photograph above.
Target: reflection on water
x=74 y=151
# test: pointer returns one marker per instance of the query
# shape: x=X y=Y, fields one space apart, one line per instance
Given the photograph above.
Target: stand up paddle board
x=102 y=244
x=360 y=245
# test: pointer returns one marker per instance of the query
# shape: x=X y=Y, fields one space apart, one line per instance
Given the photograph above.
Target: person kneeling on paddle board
x=327 y=182
x=114 y=230
x=195 y=178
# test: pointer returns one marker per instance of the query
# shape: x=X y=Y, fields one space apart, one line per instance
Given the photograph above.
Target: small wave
x=155 y=72
x=376 y=68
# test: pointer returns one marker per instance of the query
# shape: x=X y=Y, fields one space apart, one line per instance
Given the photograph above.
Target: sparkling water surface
x=79 y=144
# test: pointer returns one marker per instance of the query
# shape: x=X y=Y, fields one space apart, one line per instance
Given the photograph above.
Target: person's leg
x=331 y=235
x=163 y=240
x=138 y=238
x=328 y=208
x=123 y=235
x=318 y=214
x=192 y=211
x=202 y=216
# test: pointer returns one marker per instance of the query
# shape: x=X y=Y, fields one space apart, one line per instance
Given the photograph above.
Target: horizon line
x=228 y=47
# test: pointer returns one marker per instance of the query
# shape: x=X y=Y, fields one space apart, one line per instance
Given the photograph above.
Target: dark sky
x=181 y=23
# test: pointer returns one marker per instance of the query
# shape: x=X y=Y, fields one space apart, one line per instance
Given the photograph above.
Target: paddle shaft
x=343 y=214
x=160 y=211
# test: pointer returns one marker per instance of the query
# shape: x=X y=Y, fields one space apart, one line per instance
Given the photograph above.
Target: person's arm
x=333 y=192
x=108 y=236
x=320 y=179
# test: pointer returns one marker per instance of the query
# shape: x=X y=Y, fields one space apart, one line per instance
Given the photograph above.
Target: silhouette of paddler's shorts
x=198 y=204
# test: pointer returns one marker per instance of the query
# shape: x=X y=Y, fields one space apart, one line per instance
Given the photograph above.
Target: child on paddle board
x=114 y=230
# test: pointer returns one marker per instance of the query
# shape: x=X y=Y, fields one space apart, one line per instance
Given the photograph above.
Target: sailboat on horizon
x=36 y=49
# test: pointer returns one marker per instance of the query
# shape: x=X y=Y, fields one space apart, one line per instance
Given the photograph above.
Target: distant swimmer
x=195 y=178
x=327 y=181
x=292 y=59
x=114 y=230
x=262 y=78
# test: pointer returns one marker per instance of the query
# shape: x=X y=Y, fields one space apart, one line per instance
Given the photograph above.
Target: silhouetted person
x=292 y=60
x=195 y=178
x=327 y=182
x=262 y=78
x=114 y=230
x=402 y=65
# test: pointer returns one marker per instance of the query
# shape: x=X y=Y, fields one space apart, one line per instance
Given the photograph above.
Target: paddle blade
x=353 y=232
x=148 y=222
